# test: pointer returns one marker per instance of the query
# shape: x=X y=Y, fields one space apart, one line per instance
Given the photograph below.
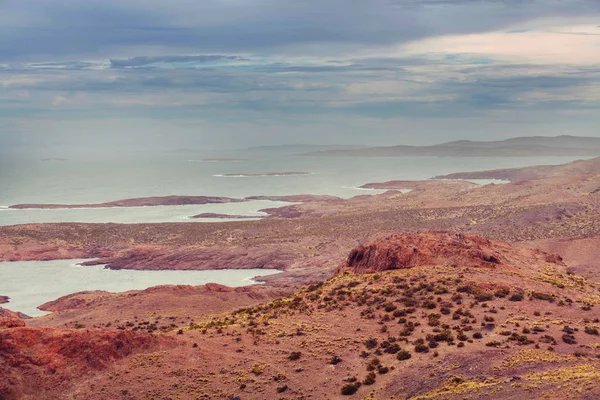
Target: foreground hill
x=407 y=316
x=536 y=146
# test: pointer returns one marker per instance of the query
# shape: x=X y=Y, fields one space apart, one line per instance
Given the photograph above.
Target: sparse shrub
x=547 y=339
x=590 y=330
x=403 y=355
x=516 y=297
x=389 y=307
x=477 y=335
x=350 y=388
x=542 y=296
x=369 y=379
x=421 y=348
x=465 y=289
x=392 y=349
x=371 y=343
x=569 y=339
x=295 y=355
x=568 y=330
x=429 y=304
x=484 y=296
x=493 y=343
x=258 y=369
x=282 y=389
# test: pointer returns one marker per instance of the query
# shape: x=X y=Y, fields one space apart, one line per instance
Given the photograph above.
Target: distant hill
x=298 y=148
x=563 y=141
x=535 y=146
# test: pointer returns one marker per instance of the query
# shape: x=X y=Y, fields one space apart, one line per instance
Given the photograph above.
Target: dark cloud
x=33 y=29
x=286 y=62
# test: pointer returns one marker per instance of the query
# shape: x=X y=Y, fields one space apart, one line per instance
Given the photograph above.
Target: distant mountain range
x=534 y=146
x=306 y=147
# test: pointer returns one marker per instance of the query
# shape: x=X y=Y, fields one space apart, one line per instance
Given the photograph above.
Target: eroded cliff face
x=406 y=250
x=31 y=358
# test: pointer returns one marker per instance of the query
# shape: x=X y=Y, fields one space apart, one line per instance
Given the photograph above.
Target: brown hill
x=400 y=251
x=162 y=305
x=466 y=318
x=578 y=170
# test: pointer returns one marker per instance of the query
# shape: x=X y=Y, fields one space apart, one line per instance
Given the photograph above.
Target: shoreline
x=306 y=240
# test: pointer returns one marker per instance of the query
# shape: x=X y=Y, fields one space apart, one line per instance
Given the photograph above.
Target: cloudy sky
x=233 y=73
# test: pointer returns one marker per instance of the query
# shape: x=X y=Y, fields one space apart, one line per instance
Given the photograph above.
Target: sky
x=236 y=73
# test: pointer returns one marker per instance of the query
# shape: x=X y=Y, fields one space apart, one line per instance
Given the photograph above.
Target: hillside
x=495 y=321
x=536 y=146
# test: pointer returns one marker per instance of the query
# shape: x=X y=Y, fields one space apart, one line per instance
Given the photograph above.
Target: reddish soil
x=33 y=360
x=523 y=327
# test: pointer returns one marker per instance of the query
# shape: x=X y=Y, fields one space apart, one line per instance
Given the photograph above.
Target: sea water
x=30 y=284
x=88 y=180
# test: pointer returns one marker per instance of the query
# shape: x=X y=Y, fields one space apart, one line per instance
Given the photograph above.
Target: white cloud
x=558 y=44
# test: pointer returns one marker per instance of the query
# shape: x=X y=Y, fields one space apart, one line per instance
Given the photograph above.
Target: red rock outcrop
x=400 y=251
x=11 y=319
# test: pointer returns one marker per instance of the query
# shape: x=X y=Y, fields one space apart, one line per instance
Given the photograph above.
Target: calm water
x=88 y=180
x=30 y=284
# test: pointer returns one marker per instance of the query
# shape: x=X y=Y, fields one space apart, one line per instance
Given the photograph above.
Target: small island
x=222 y=160
x=223 y=216
x=138 y=202
x=256 y=174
